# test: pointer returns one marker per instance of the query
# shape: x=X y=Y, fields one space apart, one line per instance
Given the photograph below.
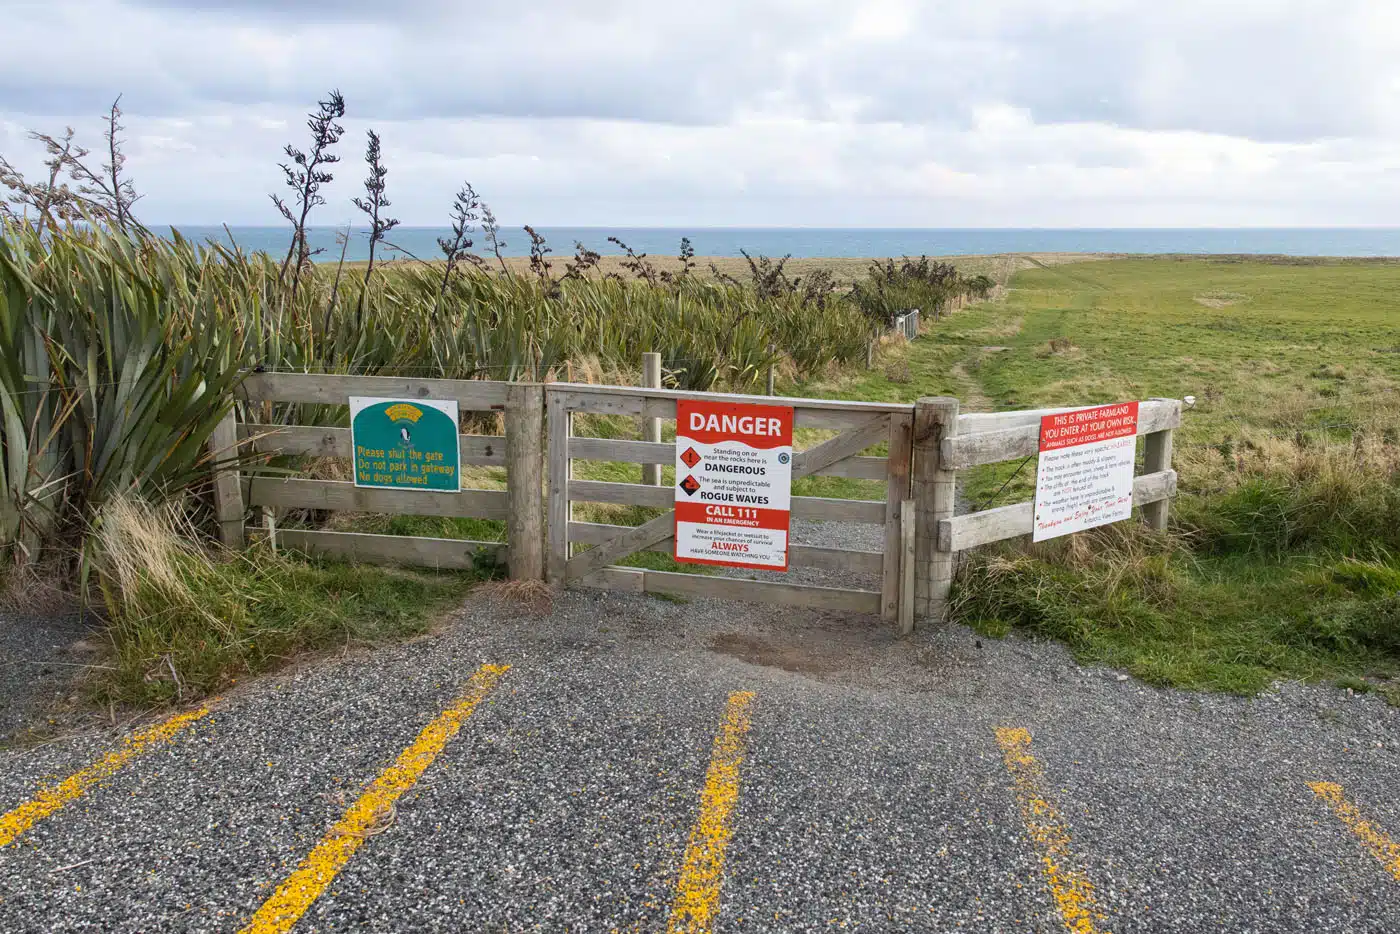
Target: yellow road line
x=702 y=870
x=370 y=814
x=1377 y=841
x=51 y=798
x=1069 y=886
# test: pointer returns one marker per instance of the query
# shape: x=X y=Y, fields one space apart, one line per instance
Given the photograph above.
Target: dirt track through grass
x=1286 y=459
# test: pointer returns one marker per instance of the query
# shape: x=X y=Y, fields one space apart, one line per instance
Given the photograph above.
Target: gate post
x=524 y=476
x=935 y=418
x=1156 y=456
x=228 y=487
x=560 y=471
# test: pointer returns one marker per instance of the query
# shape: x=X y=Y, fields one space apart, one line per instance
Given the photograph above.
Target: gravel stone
x=39 y=654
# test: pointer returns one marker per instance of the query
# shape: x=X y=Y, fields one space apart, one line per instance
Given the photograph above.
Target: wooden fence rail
x=916 y=450
x=520 y=450
x=947 y=442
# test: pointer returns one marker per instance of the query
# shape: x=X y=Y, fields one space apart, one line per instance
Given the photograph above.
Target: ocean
x=856 y=242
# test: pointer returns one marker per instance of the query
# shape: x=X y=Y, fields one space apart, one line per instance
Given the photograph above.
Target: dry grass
x=41 y=589
x=1362 y=454
x=147 y=552
x=1057 y=347
x=846 y=269
x=185 y=622
x=1220 y=299
x=534 y=596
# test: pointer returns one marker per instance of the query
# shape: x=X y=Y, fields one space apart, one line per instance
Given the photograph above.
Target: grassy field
x=1281 y=562
x=1283 y=557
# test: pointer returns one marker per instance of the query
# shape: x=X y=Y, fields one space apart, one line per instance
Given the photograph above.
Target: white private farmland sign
x=1085 y=474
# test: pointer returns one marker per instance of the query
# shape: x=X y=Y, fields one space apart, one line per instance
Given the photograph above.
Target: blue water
x=859 y=242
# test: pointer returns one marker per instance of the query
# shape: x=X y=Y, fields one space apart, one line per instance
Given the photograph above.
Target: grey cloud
x=1269 y=71
x=742 y=111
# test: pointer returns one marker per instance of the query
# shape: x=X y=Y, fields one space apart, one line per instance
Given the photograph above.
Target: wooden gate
x=860 y=425
x=926 y=445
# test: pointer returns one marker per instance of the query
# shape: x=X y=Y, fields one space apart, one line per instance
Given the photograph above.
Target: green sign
x=405 y=444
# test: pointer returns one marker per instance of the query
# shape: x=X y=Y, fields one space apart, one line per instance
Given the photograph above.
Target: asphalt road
x=803 y=771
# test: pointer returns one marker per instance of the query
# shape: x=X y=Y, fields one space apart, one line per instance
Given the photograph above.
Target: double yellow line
x=697 y=894
x=371 y=813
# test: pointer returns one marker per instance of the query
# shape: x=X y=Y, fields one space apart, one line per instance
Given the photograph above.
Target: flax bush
x=119 y=352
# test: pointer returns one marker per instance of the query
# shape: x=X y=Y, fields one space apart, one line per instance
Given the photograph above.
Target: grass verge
x=1145 y=603
x=184 y=623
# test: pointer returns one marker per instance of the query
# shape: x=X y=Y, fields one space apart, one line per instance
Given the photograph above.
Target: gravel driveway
x=39 y=654
x=874 y=794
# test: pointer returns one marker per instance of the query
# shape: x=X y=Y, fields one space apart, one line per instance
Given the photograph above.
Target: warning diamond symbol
x=690 y=458
x=690 y=485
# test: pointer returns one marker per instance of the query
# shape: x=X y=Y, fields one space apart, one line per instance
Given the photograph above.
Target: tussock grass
x=1146 y=604
x=1334 y=488
x=535 y=596
x=185 y=622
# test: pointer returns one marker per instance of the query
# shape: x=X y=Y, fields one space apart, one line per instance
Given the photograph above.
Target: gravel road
x=874 y=795
x=39 y=654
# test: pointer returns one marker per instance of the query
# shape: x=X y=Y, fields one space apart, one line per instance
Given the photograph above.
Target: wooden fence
x=518 y=450
x=921 y=449
x=947 y=442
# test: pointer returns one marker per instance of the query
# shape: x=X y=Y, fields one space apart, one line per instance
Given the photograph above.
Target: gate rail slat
x=344 y=496
x=799 y=556
x=731 y=588
x=476 y=450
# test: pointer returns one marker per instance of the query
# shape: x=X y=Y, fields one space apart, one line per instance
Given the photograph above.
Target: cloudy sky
x=919 y=113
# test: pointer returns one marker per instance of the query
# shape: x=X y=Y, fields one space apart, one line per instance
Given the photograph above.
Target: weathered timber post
x=907 y=541
x=1157 y=455
x=897 y=466
x=935 y=418
x=560 y=472
x=651 y=427
x=228 y=490
x=266 y=515
x=524 y=481
x=772 y=385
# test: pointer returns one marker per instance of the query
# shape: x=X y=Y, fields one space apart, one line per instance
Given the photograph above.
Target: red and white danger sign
x=1085 y=474
x=733 y=484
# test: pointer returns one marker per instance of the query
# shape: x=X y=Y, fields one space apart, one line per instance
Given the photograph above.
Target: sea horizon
x=837 y=242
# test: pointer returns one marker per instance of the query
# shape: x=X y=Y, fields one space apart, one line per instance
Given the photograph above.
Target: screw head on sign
x=690 y=485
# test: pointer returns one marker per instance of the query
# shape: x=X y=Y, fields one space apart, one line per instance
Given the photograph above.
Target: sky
x=839 y=113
